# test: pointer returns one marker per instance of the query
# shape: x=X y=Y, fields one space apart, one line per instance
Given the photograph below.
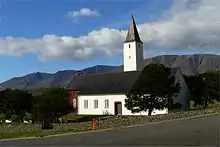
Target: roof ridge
x=103 y=73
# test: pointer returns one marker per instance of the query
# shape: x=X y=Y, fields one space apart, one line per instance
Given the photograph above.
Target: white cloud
x=53 y=47
x=84 y=12
x=189 y=25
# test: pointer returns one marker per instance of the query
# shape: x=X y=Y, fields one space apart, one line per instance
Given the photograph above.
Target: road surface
x=196 y=132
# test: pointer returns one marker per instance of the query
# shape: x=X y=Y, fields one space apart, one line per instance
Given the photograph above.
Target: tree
x=154 y=89
x=7 y=100
x=51 y=104
x=211 y=87
x=2 y=102
x=204 y=88
x=41 y=109
x=15 y=103
x=196 y=86
x=22 y=103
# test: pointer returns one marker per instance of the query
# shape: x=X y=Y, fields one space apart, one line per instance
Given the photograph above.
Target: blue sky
x=34 y=19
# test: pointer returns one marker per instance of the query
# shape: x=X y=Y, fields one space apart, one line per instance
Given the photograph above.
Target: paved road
x=200 y=132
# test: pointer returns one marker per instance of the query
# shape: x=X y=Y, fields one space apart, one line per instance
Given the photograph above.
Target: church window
x=95 y=103
x=86 y=104
x=106 y=103
x=129 y=46
x=129 y=57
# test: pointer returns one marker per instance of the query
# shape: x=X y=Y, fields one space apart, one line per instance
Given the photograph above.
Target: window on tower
x=129 y=46
x=129 y=57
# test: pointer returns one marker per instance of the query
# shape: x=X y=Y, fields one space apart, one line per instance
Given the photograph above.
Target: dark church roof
x=132 y=34
x=106 y=83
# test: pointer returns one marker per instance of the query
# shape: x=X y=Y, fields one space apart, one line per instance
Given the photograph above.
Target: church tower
x=133 y=49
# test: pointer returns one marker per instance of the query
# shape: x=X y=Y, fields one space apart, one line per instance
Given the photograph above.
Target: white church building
x=104 y=93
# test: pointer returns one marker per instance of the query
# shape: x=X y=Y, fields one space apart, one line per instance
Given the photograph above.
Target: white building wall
x=101 y=105
x=133 y=56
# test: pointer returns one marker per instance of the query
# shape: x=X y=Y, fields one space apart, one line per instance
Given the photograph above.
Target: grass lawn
x=31 y=134
x=81 y=118
x=71 y=117
x=2 y=116
x=215 y=104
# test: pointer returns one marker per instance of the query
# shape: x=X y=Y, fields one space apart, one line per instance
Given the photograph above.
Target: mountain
x=189 y=65
x=44 y=80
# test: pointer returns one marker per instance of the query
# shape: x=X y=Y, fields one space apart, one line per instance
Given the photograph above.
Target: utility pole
x=218 y=132
x=218 y=82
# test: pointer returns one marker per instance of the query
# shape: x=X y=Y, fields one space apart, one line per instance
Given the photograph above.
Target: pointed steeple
x=132 y=34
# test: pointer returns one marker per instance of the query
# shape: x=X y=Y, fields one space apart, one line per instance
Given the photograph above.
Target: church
x=104 y=93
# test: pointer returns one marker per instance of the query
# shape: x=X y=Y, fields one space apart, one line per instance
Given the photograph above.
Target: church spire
x=132 y=34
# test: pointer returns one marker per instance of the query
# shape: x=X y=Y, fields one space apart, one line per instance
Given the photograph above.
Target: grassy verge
x=41 y=133
x=111 y=122
x=32 y=134
x=211 y=105
x=24 y=134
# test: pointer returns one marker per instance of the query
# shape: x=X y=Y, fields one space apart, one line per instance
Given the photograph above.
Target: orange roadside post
x=93 y=124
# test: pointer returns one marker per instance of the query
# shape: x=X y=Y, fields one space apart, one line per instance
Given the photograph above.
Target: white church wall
x=91 y=110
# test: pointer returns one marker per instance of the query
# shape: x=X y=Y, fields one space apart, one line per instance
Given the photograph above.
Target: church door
x=118 y=108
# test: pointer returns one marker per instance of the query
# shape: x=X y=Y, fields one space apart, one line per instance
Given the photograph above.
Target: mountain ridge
x=189 y=65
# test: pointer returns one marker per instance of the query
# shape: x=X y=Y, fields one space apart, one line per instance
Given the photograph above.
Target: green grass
x=2 y=116
x=31 y=134
x=215 y=104
x=72 y=116
x=69 y=117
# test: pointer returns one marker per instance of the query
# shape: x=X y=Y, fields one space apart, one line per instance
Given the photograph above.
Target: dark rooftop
x=106 y=83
